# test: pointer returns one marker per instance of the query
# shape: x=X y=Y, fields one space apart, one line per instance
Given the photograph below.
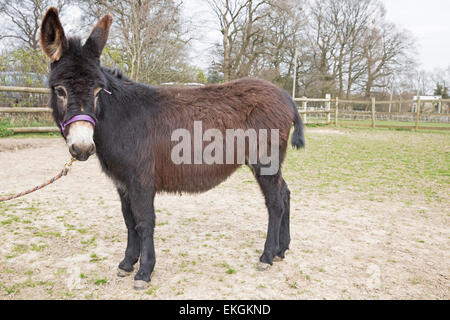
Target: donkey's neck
x=124 y=102
x=123 y=121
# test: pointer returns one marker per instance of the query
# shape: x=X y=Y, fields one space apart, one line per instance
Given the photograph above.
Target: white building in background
x=428 y=104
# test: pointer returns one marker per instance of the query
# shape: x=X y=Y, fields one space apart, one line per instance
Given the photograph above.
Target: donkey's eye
x=60 y=92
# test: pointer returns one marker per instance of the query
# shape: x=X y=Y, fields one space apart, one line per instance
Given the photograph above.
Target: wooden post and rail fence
x=372 y=103
x=325 y=109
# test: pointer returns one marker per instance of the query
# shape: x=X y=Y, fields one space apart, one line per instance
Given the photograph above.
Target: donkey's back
x=243 y=103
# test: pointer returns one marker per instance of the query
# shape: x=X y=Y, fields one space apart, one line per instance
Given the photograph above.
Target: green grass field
x=4 y=132
x=380 y=164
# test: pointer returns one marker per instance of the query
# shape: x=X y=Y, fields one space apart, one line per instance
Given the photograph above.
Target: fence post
x=304 y=106
x=336 y=112
x=294 y=82
x=328 y=107
x=418 y=112
x=373 y=112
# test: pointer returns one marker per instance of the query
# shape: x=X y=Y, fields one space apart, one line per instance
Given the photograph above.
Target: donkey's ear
x=52 y=39
x=99 y=35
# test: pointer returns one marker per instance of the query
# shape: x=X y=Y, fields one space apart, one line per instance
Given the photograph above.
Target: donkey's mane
x=116 y=72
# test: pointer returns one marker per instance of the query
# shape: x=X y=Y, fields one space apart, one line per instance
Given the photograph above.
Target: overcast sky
x=429 y=22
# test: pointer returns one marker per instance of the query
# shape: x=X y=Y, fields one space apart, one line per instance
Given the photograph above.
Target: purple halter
x=82 y=117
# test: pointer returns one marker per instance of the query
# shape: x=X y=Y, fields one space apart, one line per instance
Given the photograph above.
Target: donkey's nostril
x=91 y=149
x=74 y=150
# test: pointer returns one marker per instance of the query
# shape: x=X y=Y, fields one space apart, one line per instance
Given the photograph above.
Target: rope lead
x=63 y=172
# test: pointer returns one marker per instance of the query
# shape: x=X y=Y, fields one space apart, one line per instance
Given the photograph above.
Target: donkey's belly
x=193 y=178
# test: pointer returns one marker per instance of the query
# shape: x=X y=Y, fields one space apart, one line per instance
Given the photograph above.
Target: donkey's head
x=76 y=80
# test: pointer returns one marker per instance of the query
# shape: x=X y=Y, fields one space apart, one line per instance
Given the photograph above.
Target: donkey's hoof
x=262 y=266
x=277 y=259
x=122 y=273
x=140 y=284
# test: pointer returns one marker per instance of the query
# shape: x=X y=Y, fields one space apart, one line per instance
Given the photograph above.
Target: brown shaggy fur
x=241 y=104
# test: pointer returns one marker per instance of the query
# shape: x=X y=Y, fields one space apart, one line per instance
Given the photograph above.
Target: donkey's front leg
x=133 y=242
x=141 y=199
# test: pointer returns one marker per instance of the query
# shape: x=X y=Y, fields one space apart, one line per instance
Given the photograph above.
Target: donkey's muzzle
x=82 y=152
x=80 y=140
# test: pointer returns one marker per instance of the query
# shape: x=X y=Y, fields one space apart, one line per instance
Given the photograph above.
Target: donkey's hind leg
x=133 y=242
x=285 y=237
x=271 y=188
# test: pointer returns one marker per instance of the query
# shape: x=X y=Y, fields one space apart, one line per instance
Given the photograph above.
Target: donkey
x=129 y=126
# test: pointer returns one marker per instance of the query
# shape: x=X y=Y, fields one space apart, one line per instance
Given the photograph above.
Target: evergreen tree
x=441 y=90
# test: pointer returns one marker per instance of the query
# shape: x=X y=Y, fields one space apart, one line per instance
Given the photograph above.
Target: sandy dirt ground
x=65 y=241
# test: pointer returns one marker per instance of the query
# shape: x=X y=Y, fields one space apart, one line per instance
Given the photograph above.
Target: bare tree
x=322 y=42
x=350 y=46
x=23 y=18
x=148 y=32
x=239 y=23
x=351 y=18
x=386 y=51
x=334 y=36
x=282 y=35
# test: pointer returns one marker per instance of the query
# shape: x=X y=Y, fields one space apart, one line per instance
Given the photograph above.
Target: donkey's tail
x=298 y=137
